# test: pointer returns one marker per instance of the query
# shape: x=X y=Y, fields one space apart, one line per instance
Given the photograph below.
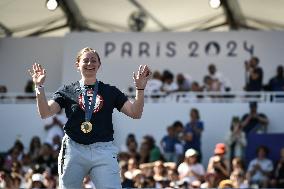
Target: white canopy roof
x=31 y=17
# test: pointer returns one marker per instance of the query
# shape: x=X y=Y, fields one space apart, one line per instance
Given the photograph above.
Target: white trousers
x=98 y=160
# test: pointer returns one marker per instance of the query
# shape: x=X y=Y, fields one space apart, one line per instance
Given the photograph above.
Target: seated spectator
x=210 y=84
x=260 y=169
x=210 y=181
x=278 y=177
x=132 y=146
x=190 y=168
x=144 y=152
x=132 y=167
x=236 y=140
x=238 y=178
x=226 y=184
x=168 y=145
x=45 y=158
x=195 y=87
x=218 y=164
x=276 y=83
x=6 y=180
x=125 y=182
x=182 y=82
x=155 y=153
x=154 y=85
x=254 y=122
x=37 y=181
x=238 y=175
x=168 y=82
x=160 y=172
x=254 y=75
x=14 y=155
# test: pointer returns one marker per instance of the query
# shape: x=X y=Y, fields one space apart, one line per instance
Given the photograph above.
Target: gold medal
x=86 y=127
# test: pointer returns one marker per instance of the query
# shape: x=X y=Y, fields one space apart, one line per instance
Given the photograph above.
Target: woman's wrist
x=39 y=85
x=38 y=88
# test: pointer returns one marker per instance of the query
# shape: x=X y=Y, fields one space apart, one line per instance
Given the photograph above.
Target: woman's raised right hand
x=38 y=74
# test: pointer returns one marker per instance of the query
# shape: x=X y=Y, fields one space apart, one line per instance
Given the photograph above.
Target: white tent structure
x=21 y=18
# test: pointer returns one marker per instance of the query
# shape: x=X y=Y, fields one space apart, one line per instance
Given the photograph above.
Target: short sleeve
x=120 y=98
x=188 y=129
x=59 y=97
x=201 y=125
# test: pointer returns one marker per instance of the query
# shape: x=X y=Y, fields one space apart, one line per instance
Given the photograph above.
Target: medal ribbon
x=89 y=108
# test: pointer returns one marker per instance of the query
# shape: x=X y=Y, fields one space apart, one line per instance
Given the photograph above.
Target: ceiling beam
x=75 y=19
x=150 y=15
x=234 y=16
x=41 y=31
x=5 y=30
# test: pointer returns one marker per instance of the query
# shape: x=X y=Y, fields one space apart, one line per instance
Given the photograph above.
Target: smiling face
x=88 y=63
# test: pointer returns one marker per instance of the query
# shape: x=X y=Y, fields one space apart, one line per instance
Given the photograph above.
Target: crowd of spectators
x=175 y=160
x=214 y=80
x=172 y=162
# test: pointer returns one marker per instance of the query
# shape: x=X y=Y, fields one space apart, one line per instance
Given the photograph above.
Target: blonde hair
x=85 y=50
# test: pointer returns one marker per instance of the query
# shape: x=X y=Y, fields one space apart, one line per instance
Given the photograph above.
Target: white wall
x=23 y=121
x=18 y=54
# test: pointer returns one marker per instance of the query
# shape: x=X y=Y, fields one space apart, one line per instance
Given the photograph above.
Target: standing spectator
x=260 y=168
x=193 y=132
x=254 y=75
x=168 y=144
x=276 y=83
x=190 y=168
x=236 y=140
x=216 y=75
x=254 y=122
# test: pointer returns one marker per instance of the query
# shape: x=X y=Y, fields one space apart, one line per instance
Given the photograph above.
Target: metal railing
x=177 y=97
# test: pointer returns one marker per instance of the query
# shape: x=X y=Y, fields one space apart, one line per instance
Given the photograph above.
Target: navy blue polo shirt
x=70 y=97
